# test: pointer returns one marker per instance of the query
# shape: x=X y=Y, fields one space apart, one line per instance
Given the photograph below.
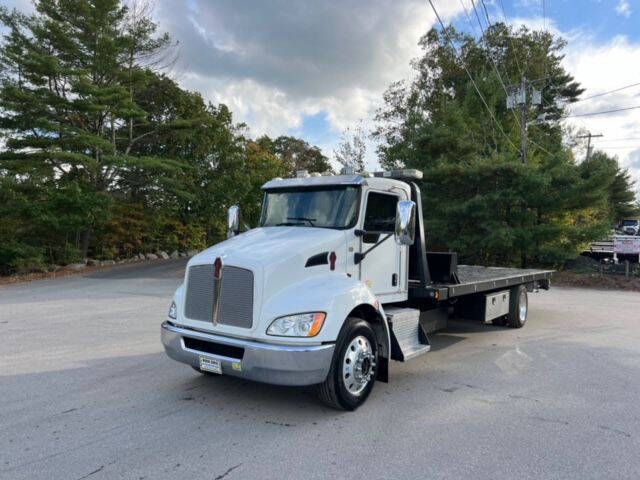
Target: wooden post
x=626 y=268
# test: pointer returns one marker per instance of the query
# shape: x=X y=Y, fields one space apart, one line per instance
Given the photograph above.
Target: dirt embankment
x=594 y=280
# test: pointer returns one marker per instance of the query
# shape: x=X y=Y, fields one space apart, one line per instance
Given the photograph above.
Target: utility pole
x=589 y=136
x=523 y=98
x=523 y=122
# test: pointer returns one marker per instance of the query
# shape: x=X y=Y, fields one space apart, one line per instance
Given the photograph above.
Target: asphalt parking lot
x=88 y=393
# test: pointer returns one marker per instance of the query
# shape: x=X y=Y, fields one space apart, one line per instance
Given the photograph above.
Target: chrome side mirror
x=233 y=221
x=405 y=222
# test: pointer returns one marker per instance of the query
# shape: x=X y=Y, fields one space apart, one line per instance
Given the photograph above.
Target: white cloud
x=274 y=62
x=601 y=68
x=624 y=8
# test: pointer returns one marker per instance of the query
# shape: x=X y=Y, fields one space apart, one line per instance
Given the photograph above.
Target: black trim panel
x=319 y=259
x=213 y=348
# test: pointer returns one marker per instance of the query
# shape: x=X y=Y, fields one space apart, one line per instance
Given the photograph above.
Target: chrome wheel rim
x=358 y=365
x=522 y=302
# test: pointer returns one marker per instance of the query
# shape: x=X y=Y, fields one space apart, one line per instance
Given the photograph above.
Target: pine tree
x=479 y=198
x=69 y=76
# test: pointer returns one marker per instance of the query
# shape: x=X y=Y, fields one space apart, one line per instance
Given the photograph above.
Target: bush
x=134 y=228
x=16 y=257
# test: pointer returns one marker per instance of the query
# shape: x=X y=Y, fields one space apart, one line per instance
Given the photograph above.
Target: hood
x=276 y=256
x=269 y=245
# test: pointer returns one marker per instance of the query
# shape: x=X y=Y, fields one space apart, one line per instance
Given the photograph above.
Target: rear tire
x=354 y=367
x=518 y=307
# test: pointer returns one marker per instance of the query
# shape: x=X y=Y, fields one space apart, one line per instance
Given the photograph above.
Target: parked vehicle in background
x=630 y=226
x=334 y=283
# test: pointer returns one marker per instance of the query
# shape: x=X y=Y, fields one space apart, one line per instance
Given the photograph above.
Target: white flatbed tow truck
x=334 y=284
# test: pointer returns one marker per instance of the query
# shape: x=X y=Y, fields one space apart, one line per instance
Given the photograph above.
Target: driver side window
x=380 y=215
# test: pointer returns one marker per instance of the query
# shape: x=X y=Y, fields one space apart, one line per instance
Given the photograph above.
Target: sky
x=315 y=68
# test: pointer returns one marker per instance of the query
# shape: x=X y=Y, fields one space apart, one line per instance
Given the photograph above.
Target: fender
x=336 y=295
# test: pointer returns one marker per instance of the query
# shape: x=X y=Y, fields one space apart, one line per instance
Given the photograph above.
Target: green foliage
x=479 y=197
x=136 y=228
x=104 y=156
x=67 y=96
x=295 y=154
x=620 y=199
x=42 y=221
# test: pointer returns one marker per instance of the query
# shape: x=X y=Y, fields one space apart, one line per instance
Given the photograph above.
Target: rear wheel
x=518 y=307
x=353 y=368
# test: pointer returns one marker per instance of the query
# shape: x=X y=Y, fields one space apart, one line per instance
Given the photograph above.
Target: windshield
x=630 y=223
x=326 y=207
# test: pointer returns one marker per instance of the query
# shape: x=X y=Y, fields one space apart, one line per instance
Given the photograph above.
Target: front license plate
x=210 y=365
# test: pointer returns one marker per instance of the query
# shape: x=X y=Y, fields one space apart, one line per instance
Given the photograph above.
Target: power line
x=515 y=54
x=446 y=34
x=626 y=147
x=540 y=147
x=600 y=113
x=622 y=139
x=607 y=93
x=522 y=124
x=544 y=24
x=493 y=62
x=486 y=12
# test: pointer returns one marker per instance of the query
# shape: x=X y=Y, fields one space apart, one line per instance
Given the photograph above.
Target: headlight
x=299 y=325
x=173 y=311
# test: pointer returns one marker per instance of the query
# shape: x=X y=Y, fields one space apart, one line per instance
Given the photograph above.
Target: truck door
x=380 y=269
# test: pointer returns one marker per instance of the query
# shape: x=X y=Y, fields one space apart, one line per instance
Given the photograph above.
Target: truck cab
x=318 y=293
x=630 y=226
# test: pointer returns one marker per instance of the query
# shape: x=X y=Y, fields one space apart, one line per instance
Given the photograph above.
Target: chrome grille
x=201 y=293
x=236 y=295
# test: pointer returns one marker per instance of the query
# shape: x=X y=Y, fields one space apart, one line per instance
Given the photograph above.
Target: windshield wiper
x=288 y=224
x=310 y=220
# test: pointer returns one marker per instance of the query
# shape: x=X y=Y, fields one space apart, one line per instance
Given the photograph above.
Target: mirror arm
x=358 y=257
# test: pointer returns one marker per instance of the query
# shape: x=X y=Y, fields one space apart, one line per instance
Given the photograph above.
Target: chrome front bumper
x=261 y=362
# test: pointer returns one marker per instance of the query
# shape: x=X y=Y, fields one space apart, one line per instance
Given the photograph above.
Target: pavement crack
x=95 y=471
x=227 y=472
x=615 y=430
x=522 y=397
x=280 y=424
x=448 y=390
x=550 y=420
x=69 y=411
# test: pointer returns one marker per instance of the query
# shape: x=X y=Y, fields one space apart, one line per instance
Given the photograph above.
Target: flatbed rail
x=477 y=279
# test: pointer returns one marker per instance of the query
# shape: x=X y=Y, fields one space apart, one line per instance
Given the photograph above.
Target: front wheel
x=353 y=368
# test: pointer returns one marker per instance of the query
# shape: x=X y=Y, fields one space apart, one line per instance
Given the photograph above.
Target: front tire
x=354 y=367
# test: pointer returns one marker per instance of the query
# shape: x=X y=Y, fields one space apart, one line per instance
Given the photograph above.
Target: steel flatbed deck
x=477 y=279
